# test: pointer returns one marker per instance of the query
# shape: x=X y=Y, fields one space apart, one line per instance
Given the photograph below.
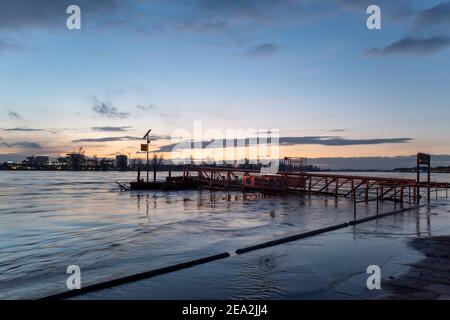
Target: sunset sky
x=311 y=69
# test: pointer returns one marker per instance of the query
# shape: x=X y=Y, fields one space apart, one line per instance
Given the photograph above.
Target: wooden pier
x=362 y=187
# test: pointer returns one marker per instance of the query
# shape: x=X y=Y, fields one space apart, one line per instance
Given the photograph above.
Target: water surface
x=50 y=220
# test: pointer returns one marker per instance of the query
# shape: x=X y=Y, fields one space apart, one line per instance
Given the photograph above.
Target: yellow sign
x=144 y=147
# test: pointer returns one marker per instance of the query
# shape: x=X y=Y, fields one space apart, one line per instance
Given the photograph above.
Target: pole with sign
x=423 y=159
x=144 y=147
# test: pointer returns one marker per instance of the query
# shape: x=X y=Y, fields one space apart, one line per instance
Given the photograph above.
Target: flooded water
x=332 y=265
x=50 y=220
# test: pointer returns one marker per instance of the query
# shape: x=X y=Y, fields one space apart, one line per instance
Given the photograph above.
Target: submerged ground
x=329 y=266
x=50 y=220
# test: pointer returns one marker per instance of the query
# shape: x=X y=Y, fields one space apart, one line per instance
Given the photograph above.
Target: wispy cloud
x=338 y=141
x=23 y=129
x=262 y=50
x=436 y=16
x=112 y=129
x=108 y=139
x=14 y=115
x=412 y=46
x=22 y=144
x=29 y=145
x=146 y=107
x=291 y=141
x=6 y=46
x=337 y=130
x=428 y=33
x=121 y=138
x=106 y=109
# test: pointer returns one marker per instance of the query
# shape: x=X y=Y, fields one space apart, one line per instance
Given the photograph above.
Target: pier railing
x=363 y=188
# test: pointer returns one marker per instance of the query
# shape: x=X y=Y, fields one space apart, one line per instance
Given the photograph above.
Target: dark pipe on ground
x=319 y=231
x=291 y=238
x=134 y=277
x=382 y=215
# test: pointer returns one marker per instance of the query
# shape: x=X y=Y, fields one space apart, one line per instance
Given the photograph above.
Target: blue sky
x=307 y=68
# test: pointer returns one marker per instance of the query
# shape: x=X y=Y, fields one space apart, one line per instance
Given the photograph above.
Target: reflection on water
x=49 y=220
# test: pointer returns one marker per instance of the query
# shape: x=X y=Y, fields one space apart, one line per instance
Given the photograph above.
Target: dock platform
x=362 y=188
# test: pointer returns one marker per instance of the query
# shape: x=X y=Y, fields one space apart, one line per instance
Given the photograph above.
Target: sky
x=310 y=69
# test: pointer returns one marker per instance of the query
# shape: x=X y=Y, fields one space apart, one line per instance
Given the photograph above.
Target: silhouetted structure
x=156 y=163
x=36 y=162
x=106 y=164
x=76 y=161
x=424 y=159
x=121 y=162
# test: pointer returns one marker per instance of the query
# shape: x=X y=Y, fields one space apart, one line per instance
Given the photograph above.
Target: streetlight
x=146 y=137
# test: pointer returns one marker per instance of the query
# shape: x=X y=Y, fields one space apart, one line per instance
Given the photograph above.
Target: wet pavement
x=430 y=277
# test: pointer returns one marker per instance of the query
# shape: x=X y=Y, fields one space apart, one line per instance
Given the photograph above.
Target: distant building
x=92 y=164
x=5 y=166
x=36 y=162
x=76 y=161
x=62 y=163
x=106 y=164
x=121 y=162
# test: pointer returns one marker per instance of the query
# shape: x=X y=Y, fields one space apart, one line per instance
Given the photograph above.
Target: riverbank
x=428 y=278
